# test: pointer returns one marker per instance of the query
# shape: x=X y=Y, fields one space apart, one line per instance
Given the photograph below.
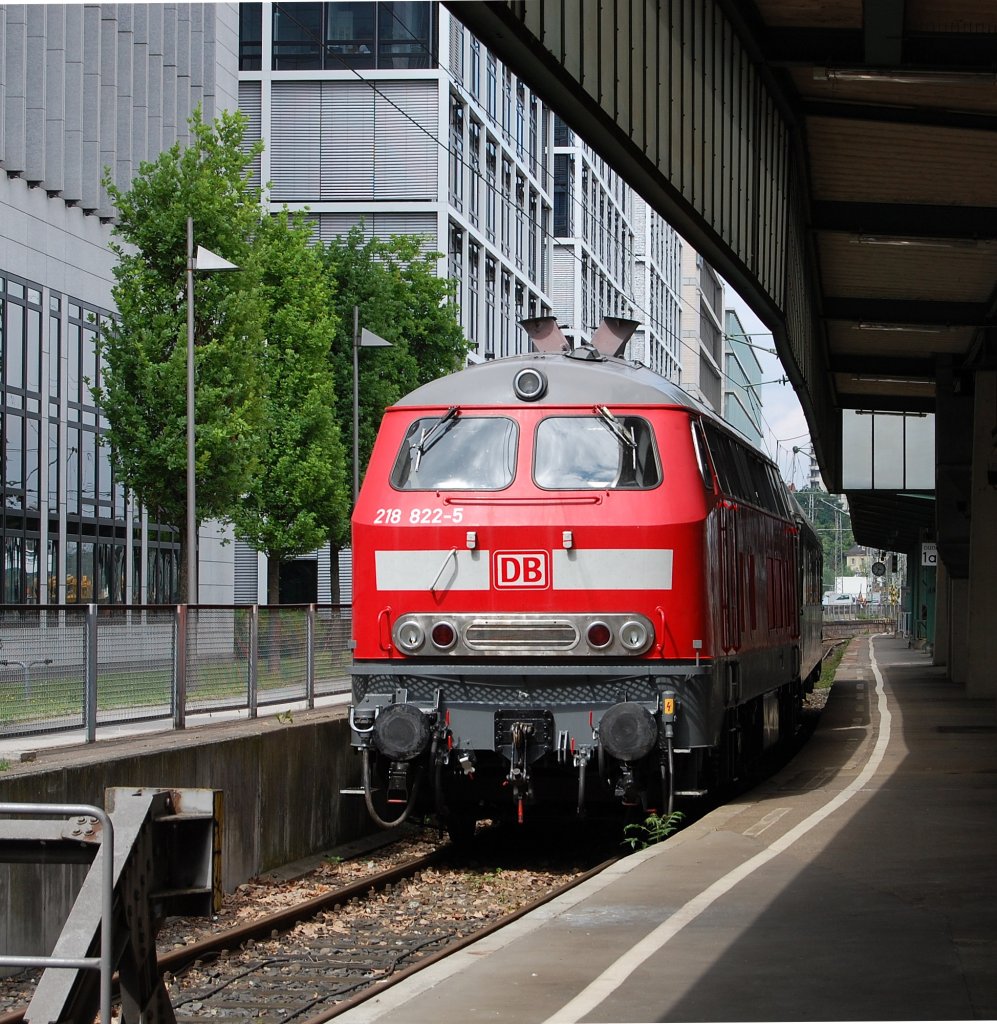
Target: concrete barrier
x=280 y=783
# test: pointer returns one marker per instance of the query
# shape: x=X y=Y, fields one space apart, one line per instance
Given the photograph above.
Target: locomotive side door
x=713 y=446
x=730 y=578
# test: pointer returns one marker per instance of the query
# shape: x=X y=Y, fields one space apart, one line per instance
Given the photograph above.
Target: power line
x=546 y=175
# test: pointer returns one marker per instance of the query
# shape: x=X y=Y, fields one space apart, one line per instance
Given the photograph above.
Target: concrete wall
x=280 y=783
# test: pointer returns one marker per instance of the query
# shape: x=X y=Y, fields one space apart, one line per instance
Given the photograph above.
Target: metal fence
x=836 y=610
x=73 y=666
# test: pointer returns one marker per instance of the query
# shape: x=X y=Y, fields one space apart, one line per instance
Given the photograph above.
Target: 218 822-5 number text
x=417 y=516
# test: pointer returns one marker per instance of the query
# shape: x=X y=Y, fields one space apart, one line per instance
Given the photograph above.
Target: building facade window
x=357 y=35
x=473 y=284
x=474 y=177
x=506 y=206
x=456 y=152
x=521 y=121
x=474 y=80
x=57 y=482
x=564 y=174
x=489 y=307
x=250 y=36
x=297 y=36
x=21 y=344
x=491 y=88
x=456 y=256
x=491 y=188
x=405 y=34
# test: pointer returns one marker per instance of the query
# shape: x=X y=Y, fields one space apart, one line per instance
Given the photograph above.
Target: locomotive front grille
x=528 y=636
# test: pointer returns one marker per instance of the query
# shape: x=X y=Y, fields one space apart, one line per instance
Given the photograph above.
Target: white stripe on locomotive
x=586 y=569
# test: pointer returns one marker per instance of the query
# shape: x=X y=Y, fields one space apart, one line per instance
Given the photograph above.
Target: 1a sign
x=929 y=554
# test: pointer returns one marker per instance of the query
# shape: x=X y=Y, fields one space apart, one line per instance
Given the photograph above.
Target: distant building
x=702 y=330
x=657 y=292
x=859 y=560
x=593 y=263
x=395 y=116
x=613 y=256
x=814 y=482
x=742 y=391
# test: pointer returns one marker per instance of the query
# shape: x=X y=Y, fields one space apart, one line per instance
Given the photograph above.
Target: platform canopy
x=833 y=159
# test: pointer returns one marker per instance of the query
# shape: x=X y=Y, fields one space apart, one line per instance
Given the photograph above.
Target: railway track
x=307 y=962
x=309 y=959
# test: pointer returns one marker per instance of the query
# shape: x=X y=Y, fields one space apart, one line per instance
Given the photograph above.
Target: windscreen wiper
x=429 y=437
x=626 y=435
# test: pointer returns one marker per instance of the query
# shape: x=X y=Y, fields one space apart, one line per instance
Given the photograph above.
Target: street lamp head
x=208 y=260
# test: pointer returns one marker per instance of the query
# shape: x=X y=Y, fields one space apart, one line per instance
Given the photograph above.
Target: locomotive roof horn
x=545 y=334
x=612 y=335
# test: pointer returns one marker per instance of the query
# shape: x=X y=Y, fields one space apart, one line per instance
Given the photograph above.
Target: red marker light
x=599 y=635
x=444 y=635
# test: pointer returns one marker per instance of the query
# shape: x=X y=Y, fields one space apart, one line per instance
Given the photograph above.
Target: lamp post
x=205 y=260
x=361 y=339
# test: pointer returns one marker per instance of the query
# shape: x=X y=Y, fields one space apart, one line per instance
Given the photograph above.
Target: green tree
x=143 y=385
x=833 y=524
x=400 y=297
x=300 y=496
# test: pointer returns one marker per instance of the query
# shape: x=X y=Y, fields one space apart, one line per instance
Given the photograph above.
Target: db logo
x=519 y=569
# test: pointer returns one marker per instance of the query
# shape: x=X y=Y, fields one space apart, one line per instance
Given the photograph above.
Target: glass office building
x=83 y=88
x=392 y=114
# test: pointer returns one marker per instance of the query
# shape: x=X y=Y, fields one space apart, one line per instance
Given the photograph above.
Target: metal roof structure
x=896 y=108
x=834 y=159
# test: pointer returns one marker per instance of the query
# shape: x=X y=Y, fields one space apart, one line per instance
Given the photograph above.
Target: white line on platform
x=767 y=822
x=617 y=973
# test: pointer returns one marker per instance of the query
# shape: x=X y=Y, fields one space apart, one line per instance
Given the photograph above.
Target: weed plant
x=654 y=829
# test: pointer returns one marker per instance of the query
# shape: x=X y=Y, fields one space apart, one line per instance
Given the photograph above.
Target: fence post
x=179 y=694
x=310 y=657
x=254 y=656
x=90 y=674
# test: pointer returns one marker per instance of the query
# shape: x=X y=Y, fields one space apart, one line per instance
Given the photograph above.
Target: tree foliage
x=830 y=519
x=299 y=497
x=273 y=349
x=400 y=297
x=142 y=391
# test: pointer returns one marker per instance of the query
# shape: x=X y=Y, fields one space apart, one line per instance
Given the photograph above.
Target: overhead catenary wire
x=545 y=179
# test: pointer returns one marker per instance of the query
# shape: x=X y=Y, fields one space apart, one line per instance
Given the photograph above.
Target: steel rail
x=177 y=959
x=377 y=985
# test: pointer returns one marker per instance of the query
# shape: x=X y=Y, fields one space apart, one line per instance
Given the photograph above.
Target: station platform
x=29 y=747
x=860 y=883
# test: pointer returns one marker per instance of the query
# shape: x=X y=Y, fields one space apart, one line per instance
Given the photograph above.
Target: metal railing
x=73 y=666
x=859 y=610
x=103 y=962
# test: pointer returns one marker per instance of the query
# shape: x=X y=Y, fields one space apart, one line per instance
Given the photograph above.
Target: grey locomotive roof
x=570 y=381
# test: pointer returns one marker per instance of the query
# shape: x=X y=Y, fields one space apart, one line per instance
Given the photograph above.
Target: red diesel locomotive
x=573 y=584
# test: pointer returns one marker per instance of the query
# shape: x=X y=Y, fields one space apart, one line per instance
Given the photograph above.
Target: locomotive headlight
x=634 y=636
x=411 y=636
x=444 y=635
x=529 y=385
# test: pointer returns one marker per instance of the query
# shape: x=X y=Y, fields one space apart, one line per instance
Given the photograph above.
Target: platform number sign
x=929 y=554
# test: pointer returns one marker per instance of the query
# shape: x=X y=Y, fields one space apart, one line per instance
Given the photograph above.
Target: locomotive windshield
x=453 y=452
x=602 y=451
